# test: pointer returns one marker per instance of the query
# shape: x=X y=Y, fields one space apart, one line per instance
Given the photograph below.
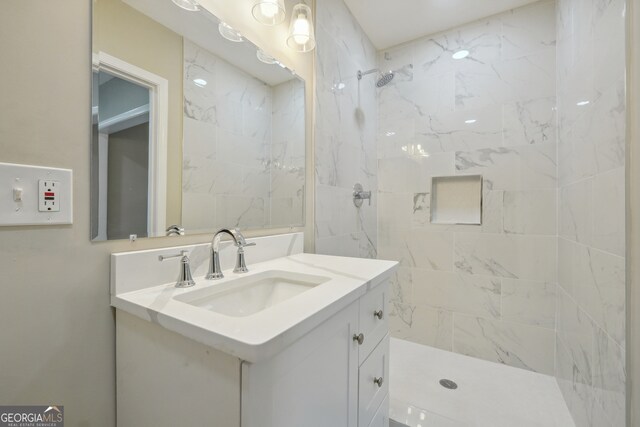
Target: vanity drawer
x=373 y=382
x=374 y=323
x=381 y=418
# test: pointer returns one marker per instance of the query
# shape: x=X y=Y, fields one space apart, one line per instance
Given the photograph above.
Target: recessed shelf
x=456 y=199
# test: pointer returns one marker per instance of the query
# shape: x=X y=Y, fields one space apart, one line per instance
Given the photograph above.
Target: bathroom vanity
x=301 y=340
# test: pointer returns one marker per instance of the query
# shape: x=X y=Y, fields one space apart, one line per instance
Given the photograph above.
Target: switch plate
x=25 y=198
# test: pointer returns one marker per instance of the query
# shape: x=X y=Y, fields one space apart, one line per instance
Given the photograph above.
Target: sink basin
x=252 y=294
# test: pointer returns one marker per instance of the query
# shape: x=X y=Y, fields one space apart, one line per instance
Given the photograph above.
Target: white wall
x=346 y=122
x=590 y=364
x=486 y=291
x=57 y=334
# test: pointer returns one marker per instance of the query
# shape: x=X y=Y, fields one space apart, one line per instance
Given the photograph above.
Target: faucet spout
x=215 y=272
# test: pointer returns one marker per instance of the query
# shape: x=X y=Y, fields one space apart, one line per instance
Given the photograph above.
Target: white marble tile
x=599 y=288
x=575 y=331
x=609 y=378
x=502 y=255
x=575 y=216
x=575 y=389
x=460 y=130
x=514 y=168
x=433 y=54
x=199 y=139
x=528 y=29
x=416 y=248
x=422 y=325
x=609 y=211
x=530 y=212
x=199 y=102
x=241 y=212
x=395 y=209
x=461 y=293
x=434 y=94
x=402 y=286
x=529 y=122
x=504 y=342
x=198 y=211
x=529 y=302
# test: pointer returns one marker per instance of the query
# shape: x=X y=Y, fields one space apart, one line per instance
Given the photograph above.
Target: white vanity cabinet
x=327 y=378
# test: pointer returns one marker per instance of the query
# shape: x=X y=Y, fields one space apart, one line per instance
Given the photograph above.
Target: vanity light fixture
x=263 y=57
x=200 y=82
x=301 y=36
x=269 y=12
x=190 y=5
x=460 y=54
x=470 y=121
x=583 y=103
x=229 y=33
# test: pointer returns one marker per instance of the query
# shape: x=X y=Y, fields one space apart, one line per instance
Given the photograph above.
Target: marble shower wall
x=590 y=337
x=487 y=291
x=243 y=150
x=345 y=134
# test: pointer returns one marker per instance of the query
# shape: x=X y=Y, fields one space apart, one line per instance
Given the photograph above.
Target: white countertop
x=267 y=332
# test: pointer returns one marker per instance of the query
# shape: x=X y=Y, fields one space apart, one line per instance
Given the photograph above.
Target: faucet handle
x=185 y=280
x=241 y=264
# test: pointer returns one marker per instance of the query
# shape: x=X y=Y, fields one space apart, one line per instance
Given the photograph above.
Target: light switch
x=17 y=194
x=35 y=195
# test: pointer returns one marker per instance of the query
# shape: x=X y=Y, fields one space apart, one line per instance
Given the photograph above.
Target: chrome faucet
x=215 y=272
x=184 y=279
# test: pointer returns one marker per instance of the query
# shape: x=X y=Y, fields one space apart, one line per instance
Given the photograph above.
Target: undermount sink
x=249 y=295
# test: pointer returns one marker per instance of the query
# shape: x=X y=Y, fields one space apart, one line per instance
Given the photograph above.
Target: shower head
x=385 y=79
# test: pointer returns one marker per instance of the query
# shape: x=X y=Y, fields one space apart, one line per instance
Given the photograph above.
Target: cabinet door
x=374 y=320
x=381 y=418
x=373 y=382
x=313 y=383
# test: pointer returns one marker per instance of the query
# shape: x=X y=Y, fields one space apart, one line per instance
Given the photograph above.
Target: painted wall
x=129 y=35
x=345 y=128
x=58 y=338
x=486 y=291
x=590 y=337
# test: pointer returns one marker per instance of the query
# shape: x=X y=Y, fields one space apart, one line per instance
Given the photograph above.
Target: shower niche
x=456 y=200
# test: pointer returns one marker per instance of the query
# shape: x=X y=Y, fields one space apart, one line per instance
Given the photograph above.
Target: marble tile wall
x=345 y=134
x=487 y=291
x=590 y=338
x=243 y=147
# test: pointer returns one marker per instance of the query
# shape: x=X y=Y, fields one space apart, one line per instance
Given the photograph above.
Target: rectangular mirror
x=191 y=131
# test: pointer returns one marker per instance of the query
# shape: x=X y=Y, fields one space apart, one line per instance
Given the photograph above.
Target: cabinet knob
x=378 y=381
x=379 y=314
x=359 y=338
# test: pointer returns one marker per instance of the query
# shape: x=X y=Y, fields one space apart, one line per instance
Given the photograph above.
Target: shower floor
x=488 y=394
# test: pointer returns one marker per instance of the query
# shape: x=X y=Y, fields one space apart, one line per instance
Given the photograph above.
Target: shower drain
x=448 y=384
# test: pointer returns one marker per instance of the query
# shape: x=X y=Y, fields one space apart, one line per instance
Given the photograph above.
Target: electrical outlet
x=48 y=196
x=35 y=195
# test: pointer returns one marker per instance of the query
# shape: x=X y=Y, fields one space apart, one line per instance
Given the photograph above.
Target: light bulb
x=269 y=8
x=301 y=30
x=269 y=12
x=301 y=35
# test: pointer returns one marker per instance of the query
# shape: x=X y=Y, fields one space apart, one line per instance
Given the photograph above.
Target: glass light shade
x=190 y=5
x=269 y=12
x=229 y=33
x=263 y=57
x=301 y=35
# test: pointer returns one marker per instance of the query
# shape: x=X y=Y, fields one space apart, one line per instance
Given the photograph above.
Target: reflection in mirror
x=190 y=129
